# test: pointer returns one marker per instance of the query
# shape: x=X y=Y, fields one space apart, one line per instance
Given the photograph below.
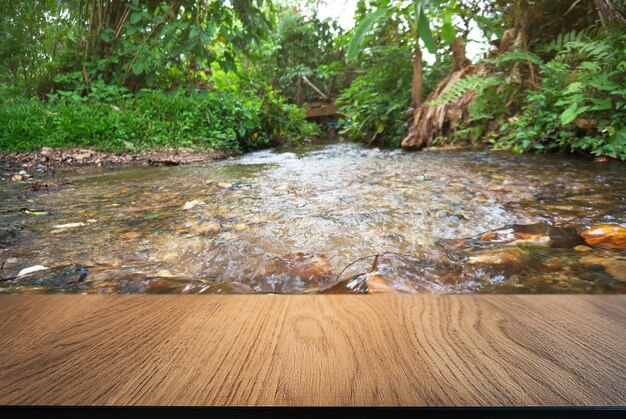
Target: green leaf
x=151 y=216
x=359 y=33
x=134 y=18
x=447 y=31
x=571 y=113
x=138 y=68
x=423 y=27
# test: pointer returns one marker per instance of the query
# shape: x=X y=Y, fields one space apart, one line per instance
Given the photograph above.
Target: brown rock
x=131 y=235
x=508 y=256
x=610 y=236
x=308 y=266
x=616 y=267
x=377 y=285
x=206 y=228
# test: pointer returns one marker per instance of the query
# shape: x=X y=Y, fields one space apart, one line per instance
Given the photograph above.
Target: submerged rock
x=206 y=228
x=191 y=204
x=312 y=267
x=616 y=267
x=512 y=256
x=131 y=235
x=294 y=272
x=405 y=274
x=610 y=236
x=543 y=235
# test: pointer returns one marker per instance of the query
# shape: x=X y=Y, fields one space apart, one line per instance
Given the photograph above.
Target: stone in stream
x=609 y=236
x=616 y=267
x=511 y=256
x=444 y=273
x=191 y=204
x=408 y=275
x=206 y=228
x=543 y=235
x=7 y=237
x=130 y=235
x=294 y=272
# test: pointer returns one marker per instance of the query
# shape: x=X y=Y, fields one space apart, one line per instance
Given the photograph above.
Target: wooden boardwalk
x=318 y=110
x=313 y=350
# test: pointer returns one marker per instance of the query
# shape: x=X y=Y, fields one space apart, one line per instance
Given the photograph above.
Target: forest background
x=129 y=75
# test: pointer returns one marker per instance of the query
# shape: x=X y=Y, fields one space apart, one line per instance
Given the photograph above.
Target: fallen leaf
x=69 y=225
x=30 y=270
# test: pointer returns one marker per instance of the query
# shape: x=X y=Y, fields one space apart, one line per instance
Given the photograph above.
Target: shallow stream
x=314 y=219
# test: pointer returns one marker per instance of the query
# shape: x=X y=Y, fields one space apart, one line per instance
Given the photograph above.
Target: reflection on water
x=334 y=218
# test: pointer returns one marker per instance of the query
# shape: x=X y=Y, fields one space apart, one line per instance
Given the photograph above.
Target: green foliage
x=378 y=98
x=133 y=44
x=581 y=103
x=218 y=120
x=358 y=38
x=302 y=45
x=579 y=106
x=104 y=67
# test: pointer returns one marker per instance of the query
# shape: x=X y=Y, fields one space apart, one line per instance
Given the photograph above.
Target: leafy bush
x=378 y=98
x=579 y=106
x=218 y=120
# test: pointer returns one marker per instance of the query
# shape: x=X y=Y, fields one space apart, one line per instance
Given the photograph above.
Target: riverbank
x=24 y=165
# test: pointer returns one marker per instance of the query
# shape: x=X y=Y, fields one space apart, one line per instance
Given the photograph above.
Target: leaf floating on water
x=151 y=216
x=33 y=212
x=30 y=270
x=69 y=225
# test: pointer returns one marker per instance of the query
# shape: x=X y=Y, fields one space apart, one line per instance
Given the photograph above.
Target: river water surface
x=327 y=218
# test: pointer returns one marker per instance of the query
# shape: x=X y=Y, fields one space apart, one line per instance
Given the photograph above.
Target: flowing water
x=314 y=219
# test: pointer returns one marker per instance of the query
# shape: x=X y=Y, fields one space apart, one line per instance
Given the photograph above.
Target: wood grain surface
x=313 y=350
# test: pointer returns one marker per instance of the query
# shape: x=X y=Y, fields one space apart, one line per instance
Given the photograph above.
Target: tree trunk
x=417 y=86
x=610 y=12
x=430 y=121
x=299 y=93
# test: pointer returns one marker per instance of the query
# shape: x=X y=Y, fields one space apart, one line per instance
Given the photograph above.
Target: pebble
x=190 y=204
x=240 y=227
x=131 y=235
x=206 y=228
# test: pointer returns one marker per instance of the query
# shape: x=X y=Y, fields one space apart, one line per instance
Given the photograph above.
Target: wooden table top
x=313 y=350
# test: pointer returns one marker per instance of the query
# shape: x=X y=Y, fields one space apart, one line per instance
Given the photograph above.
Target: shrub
x=223 y=119
x=378 y=98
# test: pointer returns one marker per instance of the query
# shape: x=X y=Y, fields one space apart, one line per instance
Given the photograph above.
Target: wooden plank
x=313 y=350
x=326 y=110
